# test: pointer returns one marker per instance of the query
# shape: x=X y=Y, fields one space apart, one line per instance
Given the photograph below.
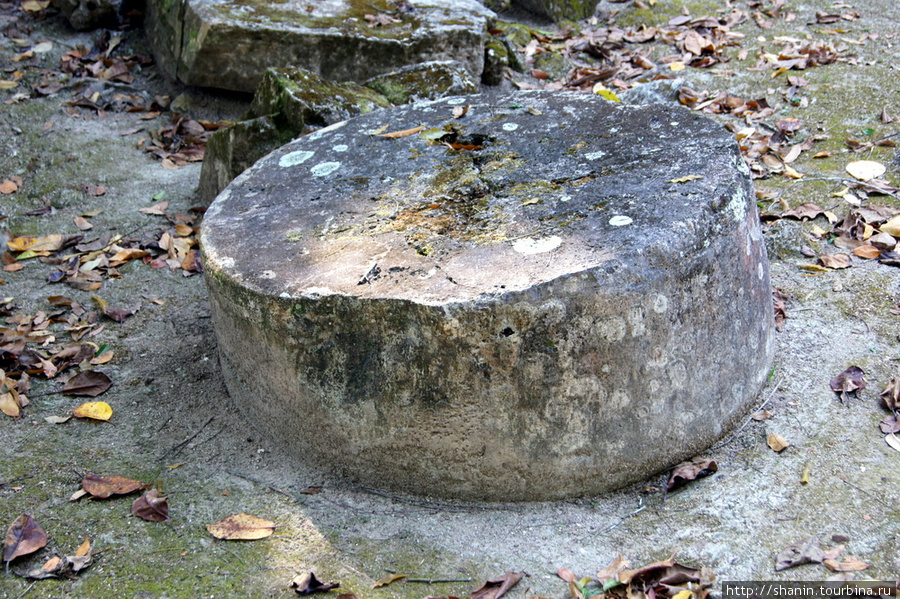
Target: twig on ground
x=178 y=447
x=623 y=518
x=263 y=483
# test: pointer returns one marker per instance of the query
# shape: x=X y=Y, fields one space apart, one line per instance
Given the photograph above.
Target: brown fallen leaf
x=691 y=470
x=761 y=415
x=23 y=536
x=891 y=395
x=835 y=260
x=89 y=383
x=7 y=187
x=388 y=580
x=850 y=564
x=866 y=252
x=849 y=381
x=241 y=527
x=157 y=209
x=777 y=443
x=102 y=487
x=94 y=190
x=497 y=587
x=404 y=133
x=805 y=211
x=52 y=568
x=151 y=507
x=307 y=583
x=804 y=552
x=890 y=425
x=779 y=300
x=612 y=571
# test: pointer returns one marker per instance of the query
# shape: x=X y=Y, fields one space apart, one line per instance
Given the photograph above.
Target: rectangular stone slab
x=228 y=45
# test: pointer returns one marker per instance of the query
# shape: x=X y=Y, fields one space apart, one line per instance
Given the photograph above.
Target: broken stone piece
x=229 y=45
x=424 y=81
x=549 y=296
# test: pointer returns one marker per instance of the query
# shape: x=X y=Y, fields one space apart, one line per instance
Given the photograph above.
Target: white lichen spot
x=267 y=274
x=341 y=148
x=660 y=304
x=317 y=134
x=760 y=271
x=510 y=126
x=456 y=101
x=620 y=220
x=325 y=168
x=738 y=205
x=284 y=295
x=227 y=262
x=530 y=246
x=595 y=155
x=295 y=158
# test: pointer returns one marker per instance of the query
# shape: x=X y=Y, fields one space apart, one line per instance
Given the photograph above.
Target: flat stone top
x=348 y=17
x=519 y=190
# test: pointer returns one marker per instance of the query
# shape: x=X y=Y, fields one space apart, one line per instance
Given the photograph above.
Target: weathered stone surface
x=288 y=103
x=229 y=44
x=553 y=10
x=425 y=81
x=574 y=297
x=85 y=15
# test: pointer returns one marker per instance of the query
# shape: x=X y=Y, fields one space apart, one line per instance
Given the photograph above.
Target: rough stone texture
x=425 y=81
x=228 y=44
x=290 y=102
x=551 y=315
x=553 y=10
x=85 y=15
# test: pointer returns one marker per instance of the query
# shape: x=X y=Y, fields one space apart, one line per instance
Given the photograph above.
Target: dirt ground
x=174 y=425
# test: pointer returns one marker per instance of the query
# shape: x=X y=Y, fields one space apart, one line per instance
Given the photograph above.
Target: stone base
x=556 y=297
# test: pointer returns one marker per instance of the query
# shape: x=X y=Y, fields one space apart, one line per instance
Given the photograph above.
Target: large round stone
x=535 y=296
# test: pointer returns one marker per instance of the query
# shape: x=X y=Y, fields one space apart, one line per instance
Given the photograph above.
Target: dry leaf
x=101 y=487
x=866 y=252
x=777 y=443
x=95 y=410
x=388 y=580
x=835 y=260
x=618 y=565
x=804 y=211
x=849 y=381
x=57 y=419
x=307 y=583
x=23 y=536
x=761 y=415
x=893 y=441
x=691 y=470
x=158 y=209
x=459 y=112
x=803 y=552
x=865 y=170
x=151 y=507
x=891 y=395
x=89 y=383
x=9 y=405
x=7 y=187
x=685 y=178
x=404 y=133
x=497 y=587
x=241 y=527
x=850 y=564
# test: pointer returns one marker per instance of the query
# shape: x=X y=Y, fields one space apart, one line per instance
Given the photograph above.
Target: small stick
x=438 y=580
x=178 y=447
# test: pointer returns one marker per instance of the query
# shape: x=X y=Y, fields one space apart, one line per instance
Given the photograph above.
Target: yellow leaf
x=606 y=94
x=892 y=227
x=685 y=594
x=20 y=244
x=685 y=179
x=804 y=476
x=103 y=358
x=676 y=66
x=9 y=406
x=241 y=527
x=35 y=5
x=7 y=84
x=388 y=580
x=96 y=410
x=84 y=548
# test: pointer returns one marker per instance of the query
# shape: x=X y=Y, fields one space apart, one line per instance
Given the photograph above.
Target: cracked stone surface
x=504 y=305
